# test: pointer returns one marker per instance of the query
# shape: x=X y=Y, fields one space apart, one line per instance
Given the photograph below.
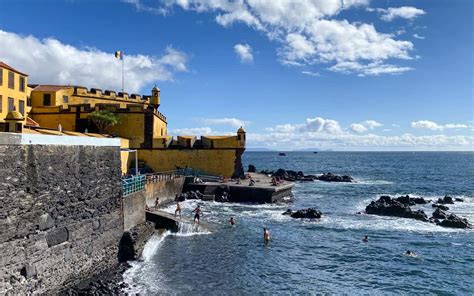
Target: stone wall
x=133 y=210
x=60 y=215
x=165 y=190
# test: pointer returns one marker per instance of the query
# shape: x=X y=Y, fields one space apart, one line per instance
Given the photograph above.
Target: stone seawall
x=165 y=190
x=60 y=215
x=133 y=210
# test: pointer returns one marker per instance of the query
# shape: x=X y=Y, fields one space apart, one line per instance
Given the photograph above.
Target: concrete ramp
x=171 y=222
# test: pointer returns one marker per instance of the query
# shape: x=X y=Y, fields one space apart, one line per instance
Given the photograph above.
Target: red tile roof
x=3 y=65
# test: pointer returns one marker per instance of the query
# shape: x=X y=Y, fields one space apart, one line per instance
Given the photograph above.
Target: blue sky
x=342 y=74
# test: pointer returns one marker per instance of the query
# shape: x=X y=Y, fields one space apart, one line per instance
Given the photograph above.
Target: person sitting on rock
x=251 y=182
x=365 y=239
x=274 y=182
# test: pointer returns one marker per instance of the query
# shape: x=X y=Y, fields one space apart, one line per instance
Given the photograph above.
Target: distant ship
x=282 y=154
x=315 y=152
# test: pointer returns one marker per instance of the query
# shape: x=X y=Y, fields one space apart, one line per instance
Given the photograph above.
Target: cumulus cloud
x=312 y=125
x=365 y=126
x=426 y=124
x=244 y=52
x=234 y=122
x=405 y=12
x=49 y=61
x=200 y=131
x=310 y=32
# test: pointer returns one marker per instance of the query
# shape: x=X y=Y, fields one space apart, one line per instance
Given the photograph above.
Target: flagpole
x=122 y=73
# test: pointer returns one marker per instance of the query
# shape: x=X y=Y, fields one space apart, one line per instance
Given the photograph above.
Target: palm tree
x=103 y=119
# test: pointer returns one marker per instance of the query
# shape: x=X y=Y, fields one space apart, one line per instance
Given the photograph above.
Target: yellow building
x=140 y=124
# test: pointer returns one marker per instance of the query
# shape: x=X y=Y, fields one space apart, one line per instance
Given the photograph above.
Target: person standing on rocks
x=178 y=209
x=197 y=214
x=157 y=201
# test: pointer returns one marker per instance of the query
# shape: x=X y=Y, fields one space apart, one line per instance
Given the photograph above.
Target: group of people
x=276 y=181
x=408 y=253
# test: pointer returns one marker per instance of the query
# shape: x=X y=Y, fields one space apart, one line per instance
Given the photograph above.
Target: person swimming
x=197 y=214
x=232 y=221
x=365 y=239
x=266 y=235
x=410 y=254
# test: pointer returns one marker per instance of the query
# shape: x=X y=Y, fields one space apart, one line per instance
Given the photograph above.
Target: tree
x=103 y=119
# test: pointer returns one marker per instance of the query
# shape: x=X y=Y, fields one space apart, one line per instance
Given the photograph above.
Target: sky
x=362 y=75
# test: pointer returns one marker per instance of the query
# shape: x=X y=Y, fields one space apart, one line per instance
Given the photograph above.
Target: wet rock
x=411 y=201
x=446 y=200
x=309 y=213
x=454 y=221
x=440 y=214
x=444 y=208
x=330 y=177
x=386 y=206
x=290 y=175
x=252 y=168
x=459 y=199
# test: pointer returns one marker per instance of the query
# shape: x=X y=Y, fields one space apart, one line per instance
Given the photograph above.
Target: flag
x=119 y=55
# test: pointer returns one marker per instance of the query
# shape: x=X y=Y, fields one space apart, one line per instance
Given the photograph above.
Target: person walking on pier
x=178 y=209
x=197 y=214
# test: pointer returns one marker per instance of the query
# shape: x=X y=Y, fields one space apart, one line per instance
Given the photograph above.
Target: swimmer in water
x=232 y=221
x=197 y=214
x=410 y=254
x=266 y=235
x=365 y=239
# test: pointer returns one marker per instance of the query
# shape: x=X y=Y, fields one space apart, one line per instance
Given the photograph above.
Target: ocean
x=325 y=256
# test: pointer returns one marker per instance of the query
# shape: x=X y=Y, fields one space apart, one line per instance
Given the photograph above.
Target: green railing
x=133 y=184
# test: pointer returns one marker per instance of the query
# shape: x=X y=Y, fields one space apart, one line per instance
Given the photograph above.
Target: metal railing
x=161 y=176
x=133 y=184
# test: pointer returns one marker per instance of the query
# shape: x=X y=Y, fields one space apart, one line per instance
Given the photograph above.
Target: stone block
x=57 y=236
x=46 y=222
x=28 y=271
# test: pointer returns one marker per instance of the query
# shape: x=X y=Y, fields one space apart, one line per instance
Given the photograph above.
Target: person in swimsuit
x=365 y=239
x=232 y=221
x=178 y=209
x=197 y=214
x=266 y=235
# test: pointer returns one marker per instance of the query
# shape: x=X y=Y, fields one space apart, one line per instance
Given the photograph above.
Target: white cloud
x=234 y=122
x=49 y=61
x=310 y=73
x=365 y=126
x=244 y=52
x=418 y=36
x=313 y=125
x=358 y=128
x=309 y=33
x=405 y=12
x=200 y=131
x=426 y=124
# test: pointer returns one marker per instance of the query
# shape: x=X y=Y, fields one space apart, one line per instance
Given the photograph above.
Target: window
x=1 y=76
x=11 y=104
x=18 y=127
x=22 y=83
x=11 y=80
x=46 y=99
x=21 y=107
x=65 y=99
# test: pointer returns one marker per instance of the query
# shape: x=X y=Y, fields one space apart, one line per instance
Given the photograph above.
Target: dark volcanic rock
x=444 y=208
x=309 y=213
x=446 y=200
x=459 y=199
x=386 y=206
x=440 y=214
x=252 y=168
x=411 y=201
x=330 y=177
x=454 y=221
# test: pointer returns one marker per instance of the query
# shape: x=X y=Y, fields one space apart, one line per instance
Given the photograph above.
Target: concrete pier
x=262 y=192
x=171 y=222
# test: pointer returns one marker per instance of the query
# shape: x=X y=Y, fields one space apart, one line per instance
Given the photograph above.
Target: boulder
x=459 y=199
x=411 y=201
x=444 y=208
x=446 y=200
x=330 y=177
x=386 y=206
x=454 y=221
x=440 y=214
x=252 y=169
x=309 y=213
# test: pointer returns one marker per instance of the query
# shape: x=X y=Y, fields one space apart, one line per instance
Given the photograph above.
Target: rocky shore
x=400 y=207
x=292 y=176
x=309 y=213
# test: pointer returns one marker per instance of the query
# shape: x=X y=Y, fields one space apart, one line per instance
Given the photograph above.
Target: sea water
x=325 y=256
